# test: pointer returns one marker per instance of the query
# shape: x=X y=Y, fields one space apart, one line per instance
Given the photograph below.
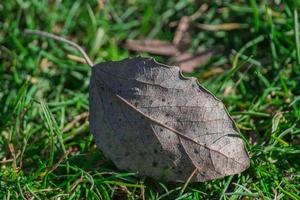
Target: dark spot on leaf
x=161 y=130
x=196 y=151
x=163 y=100
x=151 y=101
x=154 y=163
x=142 y=154
x=167 y=114
x=136 y=104
x=123 y=140
x=155 y=151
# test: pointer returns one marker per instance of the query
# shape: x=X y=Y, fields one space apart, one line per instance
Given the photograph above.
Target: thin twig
x=61 y=39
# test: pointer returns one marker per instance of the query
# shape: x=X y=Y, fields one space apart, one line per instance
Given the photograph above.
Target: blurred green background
x=254 y=70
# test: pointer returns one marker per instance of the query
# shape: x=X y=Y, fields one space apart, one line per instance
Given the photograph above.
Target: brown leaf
x=152 y=46
x=147 y=118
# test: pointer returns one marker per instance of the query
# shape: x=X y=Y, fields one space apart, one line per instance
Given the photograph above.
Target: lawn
x=46 y=148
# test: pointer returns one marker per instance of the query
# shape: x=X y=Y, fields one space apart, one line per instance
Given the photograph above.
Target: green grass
x=42 y=91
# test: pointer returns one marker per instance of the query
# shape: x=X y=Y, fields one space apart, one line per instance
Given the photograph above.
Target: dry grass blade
x=188 y=62
x=188 y=181
x=182 y=38
x=78 y=118
x=55 y=166
x=152 y=46
x=76 y=58
x=213 y=71
x=4 y=161
x=219 y=27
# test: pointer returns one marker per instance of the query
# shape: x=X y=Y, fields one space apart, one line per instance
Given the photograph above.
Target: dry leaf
x=147 y=118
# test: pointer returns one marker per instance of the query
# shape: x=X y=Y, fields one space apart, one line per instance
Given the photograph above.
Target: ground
x=46 y=149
